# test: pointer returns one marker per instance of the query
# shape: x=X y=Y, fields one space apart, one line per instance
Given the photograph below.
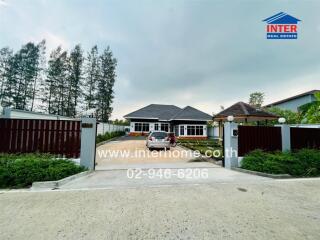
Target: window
x=199 y=130
x=181 y=130
x=156 y=126
x=145 y=127
x=194 y=130
x=159 y=135
x=191 y=130
x=165 y=127
x=138 y=127
x=141 y=127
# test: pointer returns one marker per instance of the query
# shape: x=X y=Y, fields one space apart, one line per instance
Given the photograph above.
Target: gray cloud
x=199 y=53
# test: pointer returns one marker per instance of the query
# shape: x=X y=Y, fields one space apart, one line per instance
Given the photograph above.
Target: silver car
x=158 y=140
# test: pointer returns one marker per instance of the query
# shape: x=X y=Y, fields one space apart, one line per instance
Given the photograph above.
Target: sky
x=201 y=53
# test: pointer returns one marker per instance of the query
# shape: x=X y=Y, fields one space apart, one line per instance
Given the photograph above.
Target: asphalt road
x=286 y=209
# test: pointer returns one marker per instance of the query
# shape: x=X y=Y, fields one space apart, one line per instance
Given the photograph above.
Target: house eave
x=205 y=120
x=141 y=118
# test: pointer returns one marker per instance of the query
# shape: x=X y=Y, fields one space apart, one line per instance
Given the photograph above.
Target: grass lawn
x=21 y=170
x=210 y=147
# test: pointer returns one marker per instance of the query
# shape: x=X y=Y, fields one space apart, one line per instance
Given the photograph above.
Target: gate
x=305 y=138
x=60 y=137
x=258 y=137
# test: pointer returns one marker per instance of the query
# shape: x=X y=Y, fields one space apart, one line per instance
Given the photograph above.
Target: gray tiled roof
x=155 y=111
x=190 y=113
x=243 y=109
x=168 y=112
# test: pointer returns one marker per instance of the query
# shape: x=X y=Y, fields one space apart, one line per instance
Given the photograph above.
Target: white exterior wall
x=20 y=114
x=213 y=132
x=185 y=130
x=107 y=127
x=151 y=125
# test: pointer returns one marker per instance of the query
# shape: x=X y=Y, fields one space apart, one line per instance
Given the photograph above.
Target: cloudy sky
x=196 y=52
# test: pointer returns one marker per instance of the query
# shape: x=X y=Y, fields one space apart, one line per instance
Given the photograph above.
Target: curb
x=269 y=175
x=58 y=183
x=109 y=140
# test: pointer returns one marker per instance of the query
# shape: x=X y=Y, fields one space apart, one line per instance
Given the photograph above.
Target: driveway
x=132 y=150
x=281 y=210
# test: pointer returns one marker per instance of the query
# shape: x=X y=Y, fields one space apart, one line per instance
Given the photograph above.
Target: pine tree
x=21 y=76
x=5 y=58
x=91 y=78
x=55 y=84
x=40 y=68
x=106 y=81
x=74 y=80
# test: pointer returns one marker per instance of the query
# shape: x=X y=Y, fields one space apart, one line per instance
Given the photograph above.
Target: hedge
x=107 y=136
x=302 y=163
x=21 y=170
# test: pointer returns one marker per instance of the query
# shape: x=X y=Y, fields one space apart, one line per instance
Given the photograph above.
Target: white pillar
x=230 y=145
x=7 y=112
x=88 y=142
x=286 y=138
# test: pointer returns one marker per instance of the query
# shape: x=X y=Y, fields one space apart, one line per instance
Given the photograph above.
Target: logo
x=282 y=26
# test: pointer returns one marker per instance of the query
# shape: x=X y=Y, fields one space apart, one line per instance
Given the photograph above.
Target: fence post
x=286 y=138
x=230 y=145
x=7 y=112
x=88 y=142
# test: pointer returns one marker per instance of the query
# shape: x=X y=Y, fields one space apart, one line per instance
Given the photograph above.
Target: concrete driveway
x=132 y=150
x=282 y=210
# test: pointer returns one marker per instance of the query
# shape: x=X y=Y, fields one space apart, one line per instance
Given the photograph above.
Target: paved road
x=132 y=150
x=246 y=210
x=141 y=175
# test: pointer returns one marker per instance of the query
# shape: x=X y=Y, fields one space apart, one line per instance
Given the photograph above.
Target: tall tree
x=74 y=80
x=256 y=99
x=21 y=76
x=5 y=58
x=40 y=68
x=55 y=84
x=91 y=78
x=106 y=81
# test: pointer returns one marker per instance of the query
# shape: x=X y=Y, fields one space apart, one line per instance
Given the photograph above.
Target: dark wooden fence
x=258 y=137
x=305 y=138
x=59 y=137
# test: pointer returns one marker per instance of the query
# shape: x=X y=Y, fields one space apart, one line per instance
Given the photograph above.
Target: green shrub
x=303 y=163
x=21 y=170
x=107 y=136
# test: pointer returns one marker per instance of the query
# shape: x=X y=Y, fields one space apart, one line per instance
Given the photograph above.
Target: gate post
x=285 y=137
x=88 y=142
x=230 y=145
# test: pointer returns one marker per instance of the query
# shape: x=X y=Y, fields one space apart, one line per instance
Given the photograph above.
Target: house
x=185 y=122
x=293 y=103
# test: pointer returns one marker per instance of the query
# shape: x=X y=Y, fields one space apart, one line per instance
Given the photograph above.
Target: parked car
x=158 y=140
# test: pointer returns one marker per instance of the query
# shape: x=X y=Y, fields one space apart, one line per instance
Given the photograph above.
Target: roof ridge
x=242 y=104
x=173 y=117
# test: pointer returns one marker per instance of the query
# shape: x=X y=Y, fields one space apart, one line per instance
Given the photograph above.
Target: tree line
x=65 y=84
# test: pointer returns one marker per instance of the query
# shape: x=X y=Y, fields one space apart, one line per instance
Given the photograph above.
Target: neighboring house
x=187 y=122
x=293 y=103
